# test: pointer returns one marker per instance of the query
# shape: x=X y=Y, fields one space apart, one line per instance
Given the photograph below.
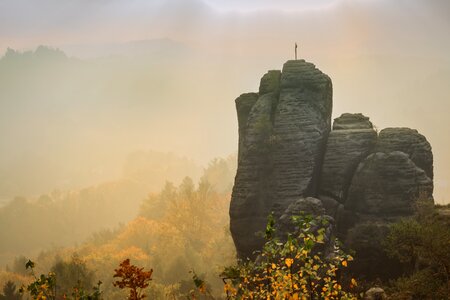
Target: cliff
x=288 y=151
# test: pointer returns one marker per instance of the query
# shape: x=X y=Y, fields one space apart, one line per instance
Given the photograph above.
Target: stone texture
x=352 y=138
x=344 y=219
x=375 y=293
x=387 y=185
x=270 y=82
x=291 y=162
x=244 y=104
x=352 y=121
x=250 y=204
x=330 y=205
x=410 y=142
x=281 y=148
x=302 y=122
x=307 y=206
x=302 y=206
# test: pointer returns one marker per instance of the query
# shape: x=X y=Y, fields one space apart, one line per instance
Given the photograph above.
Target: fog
x=163 y=75
x=77 y=121
x=104 y=96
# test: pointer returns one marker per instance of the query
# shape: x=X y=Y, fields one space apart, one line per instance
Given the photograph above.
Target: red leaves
x=133 y=278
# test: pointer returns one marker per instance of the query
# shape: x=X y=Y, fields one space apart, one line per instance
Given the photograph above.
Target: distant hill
x=156 y=48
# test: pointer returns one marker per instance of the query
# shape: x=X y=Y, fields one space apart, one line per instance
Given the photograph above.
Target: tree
x=73 y=276
x=44 y=288
x=9 y=292
x=220 y=173
x=155 y=206
x=133 y=278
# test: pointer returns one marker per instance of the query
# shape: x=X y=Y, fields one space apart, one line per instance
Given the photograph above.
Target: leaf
x=320 y=238
x=288 y=262
x=270 y=228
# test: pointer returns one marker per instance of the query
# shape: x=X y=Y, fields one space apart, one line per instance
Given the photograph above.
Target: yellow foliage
x=277 y=275
x=288 y=262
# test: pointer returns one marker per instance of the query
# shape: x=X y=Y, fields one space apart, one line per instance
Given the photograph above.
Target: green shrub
x=291 y=269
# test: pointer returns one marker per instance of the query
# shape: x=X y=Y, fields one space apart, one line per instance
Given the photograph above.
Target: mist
x=104 y=103
x=167 y=79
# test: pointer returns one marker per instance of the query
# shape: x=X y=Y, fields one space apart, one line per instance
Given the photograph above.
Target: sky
x=189 y=59
x=415 y=23
x=252 y=5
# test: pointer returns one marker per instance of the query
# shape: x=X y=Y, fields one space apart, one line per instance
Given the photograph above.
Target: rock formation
x=351 y=140
x=288 y=152
x=385 y=185
x=375 y=293
x=283 y=132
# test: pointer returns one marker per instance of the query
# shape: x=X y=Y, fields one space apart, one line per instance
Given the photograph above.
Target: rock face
x=352 y=138
x=386 y=185
x=301 y=124
x=243 y=106
x=410 y=142
x=307 y=206
x=289 y=154
x=282 y=141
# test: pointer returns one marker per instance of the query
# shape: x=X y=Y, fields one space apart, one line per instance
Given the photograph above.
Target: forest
x=180 y=229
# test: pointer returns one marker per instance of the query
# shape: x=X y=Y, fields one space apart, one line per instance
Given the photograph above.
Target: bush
x=44 y=288
x=423 y=244
x=291 y=269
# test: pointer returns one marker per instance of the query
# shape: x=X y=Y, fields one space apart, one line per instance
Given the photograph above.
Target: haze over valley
x=118 y=125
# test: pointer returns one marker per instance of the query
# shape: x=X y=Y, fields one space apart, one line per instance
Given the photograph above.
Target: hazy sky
x=388 y=59
x=252 y=5
x=419 y=24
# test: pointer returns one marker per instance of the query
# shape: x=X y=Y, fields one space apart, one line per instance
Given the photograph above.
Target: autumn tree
x=155 y=206
x=133 y=278
x=220 y=173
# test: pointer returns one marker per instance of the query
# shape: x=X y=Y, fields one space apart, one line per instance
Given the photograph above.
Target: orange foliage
x=133 y=278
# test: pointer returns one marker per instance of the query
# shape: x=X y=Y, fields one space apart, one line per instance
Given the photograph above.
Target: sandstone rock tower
x=288 y=151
